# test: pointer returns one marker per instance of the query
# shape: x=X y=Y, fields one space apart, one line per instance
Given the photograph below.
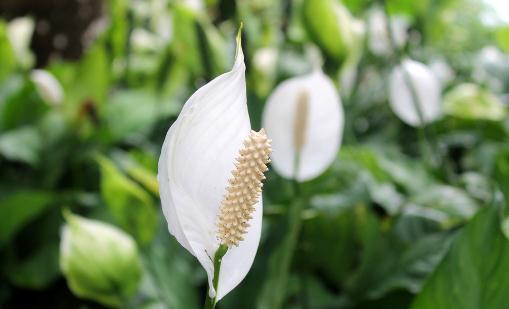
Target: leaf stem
x=210 y=302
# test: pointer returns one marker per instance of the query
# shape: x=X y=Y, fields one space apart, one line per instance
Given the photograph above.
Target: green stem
x=427 y=138
x=210 y=303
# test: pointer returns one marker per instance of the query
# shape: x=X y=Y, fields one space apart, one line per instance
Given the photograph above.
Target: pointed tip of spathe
x=239 y=34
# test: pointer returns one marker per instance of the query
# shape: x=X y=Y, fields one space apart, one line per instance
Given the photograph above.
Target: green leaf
x=130 y=205
x=169 y=273
x=21 y=145
x=455 y=204
x=473 y=274
x=18 y=209
x=316 y=253
x=130 y=114
x=274 y=291
x=92 y=77
x=502 y=37
x=397 y=257
x=6 y=54
x=38 y=270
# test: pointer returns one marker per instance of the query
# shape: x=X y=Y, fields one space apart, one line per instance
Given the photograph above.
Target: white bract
x=20 y=32
x=196 y=163
x=412 y=75
x=304 y=117
x=378 y=38
x=47 y=86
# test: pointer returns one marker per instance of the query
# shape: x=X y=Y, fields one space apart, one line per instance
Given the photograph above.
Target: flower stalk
x=210 y=302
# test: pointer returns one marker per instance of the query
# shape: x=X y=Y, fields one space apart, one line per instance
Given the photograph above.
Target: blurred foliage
x=384 y=227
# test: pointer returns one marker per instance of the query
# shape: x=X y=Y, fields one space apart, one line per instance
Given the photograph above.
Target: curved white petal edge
x=323 y=130
x=427 y=87
x=196 y=161
x=47 y=86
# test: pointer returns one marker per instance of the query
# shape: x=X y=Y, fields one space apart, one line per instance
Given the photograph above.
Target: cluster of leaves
x=387 y=226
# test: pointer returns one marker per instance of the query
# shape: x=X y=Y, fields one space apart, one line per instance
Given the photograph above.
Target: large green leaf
x=274 y=291
x=18 y=209
x=132 y=206
x=6 y=54
x=22 y=145
x=473 y=274
x=395 y=258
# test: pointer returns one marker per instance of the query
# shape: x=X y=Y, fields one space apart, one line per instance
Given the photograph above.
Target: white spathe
x=427 y=90
x=323 y=130
x=19 y=31
x=196 y=162
x=47 y=86
x=378 y=38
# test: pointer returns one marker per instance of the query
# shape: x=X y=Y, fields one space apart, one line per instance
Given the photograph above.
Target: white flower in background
x=304 y=117
x=195 y=5
x=99 y=261
x=427 y=90
x=265 y=59
x=210 y=173
x=442 y=71
x=47 y=86
x=470 y=101
x=490 y=67
x=20 y=31
x=378 y=37
x=143 y=40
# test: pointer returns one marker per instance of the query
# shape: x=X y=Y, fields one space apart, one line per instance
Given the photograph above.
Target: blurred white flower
x=20 y=31
x=99 y=261
x=143 y=40
x=195 y=169
x=195 y=5
x=490 y=68
x=442 y=71
x=427 y=90
x=304 y=118
x=47 y=86
x=265 y=59
x=378 y=37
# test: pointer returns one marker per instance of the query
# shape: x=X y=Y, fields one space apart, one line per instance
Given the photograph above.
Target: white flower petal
x=427 y=89
x=196 y=162
x=47 y=86
x=238 y=260
x=379 y=41
x=20 y=32
x=323 y=132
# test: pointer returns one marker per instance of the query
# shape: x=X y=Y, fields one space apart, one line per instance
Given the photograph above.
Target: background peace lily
x=47 y=86
x=304 y=118
x=410 y=102
x=196 y=161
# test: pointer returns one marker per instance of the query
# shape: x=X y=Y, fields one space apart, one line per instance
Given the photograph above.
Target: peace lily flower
x=210 y=173
x=378 y=37
x=47 y=86
x=20 y=32
x=409 y=79
x=304 y=117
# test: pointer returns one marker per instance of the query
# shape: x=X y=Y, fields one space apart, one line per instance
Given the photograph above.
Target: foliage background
x=385 y=227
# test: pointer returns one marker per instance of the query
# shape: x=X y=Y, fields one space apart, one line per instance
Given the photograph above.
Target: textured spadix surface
x=304 y=115
x=244 y=189
x=427 y=90
x=197 y=159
